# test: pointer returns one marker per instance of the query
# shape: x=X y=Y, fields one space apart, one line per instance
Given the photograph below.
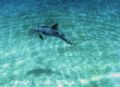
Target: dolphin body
x=51 y=31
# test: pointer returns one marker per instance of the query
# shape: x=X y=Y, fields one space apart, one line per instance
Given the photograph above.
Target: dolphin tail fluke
x=67 y=41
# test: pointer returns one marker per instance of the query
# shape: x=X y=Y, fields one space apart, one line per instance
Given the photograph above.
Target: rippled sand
x=26 y=61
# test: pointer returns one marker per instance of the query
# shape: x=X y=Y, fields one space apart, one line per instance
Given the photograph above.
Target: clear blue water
x=27 y=61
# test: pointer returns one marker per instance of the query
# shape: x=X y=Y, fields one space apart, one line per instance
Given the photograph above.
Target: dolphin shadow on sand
x=40 y=71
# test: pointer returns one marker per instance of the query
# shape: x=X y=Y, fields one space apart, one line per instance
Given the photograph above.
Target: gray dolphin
x=51 y=31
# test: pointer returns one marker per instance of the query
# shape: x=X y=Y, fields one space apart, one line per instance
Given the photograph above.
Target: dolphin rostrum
x=51 y=31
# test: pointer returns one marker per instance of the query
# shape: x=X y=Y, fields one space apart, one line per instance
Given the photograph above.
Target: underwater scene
x=59 y=43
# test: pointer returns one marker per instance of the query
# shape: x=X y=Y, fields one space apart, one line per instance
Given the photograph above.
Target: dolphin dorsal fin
x=55 y=26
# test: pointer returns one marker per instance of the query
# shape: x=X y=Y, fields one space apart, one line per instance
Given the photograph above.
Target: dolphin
x=51 y=31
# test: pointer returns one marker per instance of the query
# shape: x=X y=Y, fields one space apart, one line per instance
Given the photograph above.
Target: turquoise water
x=27 y=61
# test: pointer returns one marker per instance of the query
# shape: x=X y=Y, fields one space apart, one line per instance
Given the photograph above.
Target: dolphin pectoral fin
x=55 y=26
x=41 y=36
